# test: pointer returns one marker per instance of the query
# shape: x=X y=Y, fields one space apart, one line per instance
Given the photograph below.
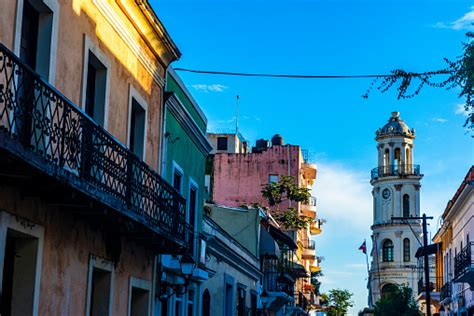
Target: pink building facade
x=238 y=178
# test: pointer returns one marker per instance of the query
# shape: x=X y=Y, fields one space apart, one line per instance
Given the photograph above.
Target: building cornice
x=185 y=119
x=126 y=35
x=190 y=97
x=151 y=29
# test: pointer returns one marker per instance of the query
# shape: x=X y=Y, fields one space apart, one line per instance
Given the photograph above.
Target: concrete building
x=232 y=261
x=396 y=193
x=237 y=178
x=454 y=259
x=83 y=210
x=185 y=149
x=232 y=143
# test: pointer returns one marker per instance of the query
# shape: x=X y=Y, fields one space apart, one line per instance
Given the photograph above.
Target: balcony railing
x=300 y=300
x=43 y=128
x=312 y=201
x=395 y=170
x=464 y=265
x=446 y=291
x=308 y=244
x=422 y=286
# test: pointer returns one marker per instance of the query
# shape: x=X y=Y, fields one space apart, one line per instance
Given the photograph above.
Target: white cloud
x=345 y=196
x=440 y=120
x=463 y=23
x=215 y=87
x=460 y=110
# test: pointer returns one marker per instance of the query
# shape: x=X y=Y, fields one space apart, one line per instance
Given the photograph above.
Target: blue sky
x=329 y=117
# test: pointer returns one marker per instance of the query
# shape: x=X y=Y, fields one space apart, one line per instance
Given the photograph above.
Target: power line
x=296 y=76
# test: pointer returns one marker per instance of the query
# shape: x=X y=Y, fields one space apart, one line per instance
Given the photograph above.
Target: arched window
x=387 y=251
x=388 y=289
x=398 y=160
x=406 y=205
x=406 y=250
x=386 y=161
x=206 y=303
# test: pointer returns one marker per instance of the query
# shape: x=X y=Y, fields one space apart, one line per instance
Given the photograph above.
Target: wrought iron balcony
x=395 y=171
x=300 y=300
x=48 y=133
x=464 y=265
x=308 y=244
x=422 y=286
x=446 y=291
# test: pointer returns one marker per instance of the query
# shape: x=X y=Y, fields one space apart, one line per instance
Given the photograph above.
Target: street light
x=264 y=300
x=187 y=266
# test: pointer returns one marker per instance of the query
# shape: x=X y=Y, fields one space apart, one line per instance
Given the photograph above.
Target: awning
x=280 y=236
x=428 y=250
x=268 y=246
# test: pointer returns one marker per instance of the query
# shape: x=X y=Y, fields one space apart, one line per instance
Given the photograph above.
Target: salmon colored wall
x=238 y=178
x=68 y=244
x=82 y=17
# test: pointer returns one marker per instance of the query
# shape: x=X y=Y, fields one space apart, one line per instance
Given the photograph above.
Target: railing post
x=129 y=181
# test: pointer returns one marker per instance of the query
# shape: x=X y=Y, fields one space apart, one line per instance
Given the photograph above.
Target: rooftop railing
x=37 y=121
x=395 y=170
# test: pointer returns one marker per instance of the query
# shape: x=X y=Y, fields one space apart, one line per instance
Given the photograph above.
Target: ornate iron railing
x=446 y=291
x=395 y=170
x=422 y=286
x=463 y=261
x=300 y=300
x=308 y=244
x=39 y=119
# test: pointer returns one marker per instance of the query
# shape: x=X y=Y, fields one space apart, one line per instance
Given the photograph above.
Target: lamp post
x=187 y=266
x=264 y=300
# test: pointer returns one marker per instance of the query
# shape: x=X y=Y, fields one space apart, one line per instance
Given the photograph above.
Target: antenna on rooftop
x=237 y=115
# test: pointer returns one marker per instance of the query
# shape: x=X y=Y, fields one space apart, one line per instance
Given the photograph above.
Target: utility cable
x=298 y=76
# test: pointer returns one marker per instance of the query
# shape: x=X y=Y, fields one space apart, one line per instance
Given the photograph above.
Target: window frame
x=10 y=221
x=406 y=250
x=90 y=47
x=226 y=143
x=52 y=5
x=192 y=184
x=176 y=167
x=103 y=264
x=133 y=94
x=139 y=284
x=388 y=251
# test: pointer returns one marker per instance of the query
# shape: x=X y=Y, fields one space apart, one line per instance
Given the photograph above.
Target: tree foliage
x=398 y=303
x=287 y=189
x=291 y=219
x=458 y=73
x=337 y=302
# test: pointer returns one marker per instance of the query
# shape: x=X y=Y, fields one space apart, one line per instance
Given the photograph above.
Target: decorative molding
x=398 y=234
x=187 y=123
x=417 y=187
x=398 y=187
x=391 y=144
x=108 y=12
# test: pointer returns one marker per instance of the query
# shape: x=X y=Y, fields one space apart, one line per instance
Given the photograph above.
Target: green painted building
x=185 y=149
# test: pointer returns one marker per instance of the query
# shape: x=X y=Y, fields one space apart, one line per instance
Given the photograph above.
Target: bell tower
x=396 y=193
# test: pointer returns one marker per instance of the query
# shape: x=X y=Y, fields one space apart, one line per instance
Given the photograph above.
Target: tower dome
x=394 y=127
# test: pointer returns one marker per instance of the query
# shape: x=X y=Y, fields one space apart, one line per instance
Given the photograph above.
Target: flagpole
x=368 y=272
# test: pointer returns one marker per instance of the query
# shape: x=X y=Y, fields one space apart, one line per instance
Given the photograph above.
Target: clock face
x=386 y=194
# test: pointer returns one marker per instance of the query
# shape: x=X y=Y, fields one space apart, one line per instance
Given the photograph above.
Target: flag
x=363 y=247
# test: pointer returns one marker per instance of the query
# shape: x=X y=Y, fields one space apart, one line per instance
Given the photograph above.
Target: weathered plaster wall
x=80 y=18
x=241 y=224
x=238 y=178
x=68 y=244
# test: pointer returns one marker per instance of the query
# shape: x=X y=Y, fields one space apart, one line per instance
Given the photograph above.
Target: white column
x=417 y=196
